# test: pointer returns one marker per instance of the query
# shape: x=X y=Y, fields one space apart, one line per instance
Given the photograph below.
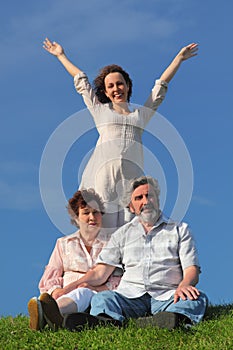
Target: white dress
x=118 y=155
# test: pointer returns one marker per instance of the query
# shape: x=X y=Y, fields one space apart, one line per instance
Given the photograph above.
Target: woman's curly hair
x=99 y=85
x=81 y=199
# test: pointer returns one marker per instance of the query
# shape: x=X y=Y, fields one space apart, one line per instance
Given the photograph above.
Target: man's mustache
x=147 y=206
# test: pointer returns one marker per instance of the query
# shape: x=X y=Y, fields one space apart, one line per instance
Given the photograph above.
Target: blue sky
x=38 y=99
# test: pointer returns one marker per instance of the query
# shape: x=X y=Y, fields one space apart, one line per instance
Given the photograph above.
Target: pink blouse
x=70 y=260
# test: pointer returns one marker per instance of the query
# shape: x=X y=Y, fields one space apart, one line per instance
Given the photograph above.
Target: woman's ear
x=76 y=219
x=106 y=94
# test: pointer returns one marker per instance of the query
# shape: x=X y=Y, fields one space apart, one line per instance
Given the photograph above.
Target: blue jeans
x=120 y=307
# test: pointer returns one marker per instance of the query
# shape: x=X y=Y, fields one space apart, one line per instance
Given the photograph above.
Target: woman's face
x=89 y=220
x=116 y=88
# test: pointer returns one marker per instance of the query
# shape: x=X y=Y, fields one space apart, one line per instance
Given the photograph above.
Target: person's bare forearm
x=95 y=277
x=171 y=70
x=186 y=288
x=57 y=50
x=184 y=54
x=191 y=276
x=68 y=65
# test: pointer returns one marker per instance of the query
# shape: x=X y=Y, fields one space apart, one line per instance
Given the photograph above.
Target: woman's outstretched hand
x=185 y=53
x=53 y=47
x=188 y=51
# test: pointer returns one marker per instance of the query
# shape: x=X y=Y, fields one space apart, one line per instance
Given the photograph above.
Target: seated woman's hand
x=58 y=292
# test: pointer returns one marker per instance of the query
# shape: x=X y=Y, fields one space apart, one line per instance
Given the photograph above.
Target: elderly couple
x=148 y=269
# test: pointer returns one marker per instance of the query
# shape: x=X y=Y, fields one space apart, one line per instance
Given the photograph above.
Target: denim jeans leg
x=193 y=309
x=119 y=307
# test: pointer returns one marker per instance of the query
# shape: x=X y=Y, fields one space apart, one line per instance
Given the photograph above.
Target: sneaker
x=51 y=311
x=81 y=320
x=169 y=320
x=36 y=321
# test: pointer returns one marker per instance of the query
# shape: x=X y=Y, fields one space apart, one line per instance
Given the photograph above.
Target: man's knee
x=101 y=297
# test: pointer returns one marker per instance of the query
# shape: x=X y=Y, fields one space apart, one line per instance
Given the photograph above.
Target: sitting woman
x=71 y=258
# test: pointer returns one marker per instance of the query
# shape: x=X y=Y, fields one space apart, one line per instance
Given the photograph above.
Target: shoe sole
x=51 y=311
x=168 y=320
x=81 y=320
x=35 y=311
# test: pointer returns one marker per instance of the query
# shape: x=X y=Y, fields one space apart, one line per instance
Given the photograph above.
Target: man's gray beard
x=151 y=217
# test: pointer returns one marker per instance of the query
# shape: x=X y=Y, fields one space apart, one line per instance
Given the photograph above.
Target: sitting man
x=161 y=269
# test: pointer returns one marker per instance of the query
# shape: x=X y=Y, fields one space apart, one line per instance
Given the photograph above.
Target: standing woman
x=118 y=155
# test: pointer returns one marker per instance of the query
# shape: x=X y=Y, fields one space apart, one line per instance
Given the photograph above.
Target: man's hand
x=186 y=292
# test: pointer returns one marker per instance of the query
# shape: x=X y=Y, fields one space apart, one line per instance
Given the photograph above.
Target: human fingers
x=192 y=45
x=176 y=298
x=49 y=45
x=189 y=292
x=192 y=48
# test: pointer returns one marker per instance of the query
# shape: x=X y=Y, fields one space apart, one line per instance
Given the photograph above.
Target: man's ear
x=131 y=208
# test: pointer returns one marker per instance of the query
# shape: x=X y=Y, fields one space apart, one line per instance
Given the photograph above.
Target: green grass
x=215 y=332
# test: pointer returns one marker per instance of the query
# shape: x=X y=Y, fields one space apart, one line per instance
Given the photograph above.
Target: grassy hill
x=215 y=332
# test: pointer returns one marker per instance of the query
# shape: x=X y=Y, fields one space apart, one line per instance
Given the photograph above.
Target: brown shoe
x=51 y=311
x=36 y=321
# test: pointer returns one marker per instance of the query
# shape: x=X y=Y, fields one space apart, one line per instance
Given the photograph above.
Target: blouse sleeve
x=154 y=100
x=83 y=87
x=53 y=274
x=157 y=95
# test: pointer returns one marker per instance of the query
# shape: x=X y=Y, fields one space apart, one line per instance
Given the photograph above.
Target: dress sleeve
x=53 y=275
x=83 y=87
x=157 y=95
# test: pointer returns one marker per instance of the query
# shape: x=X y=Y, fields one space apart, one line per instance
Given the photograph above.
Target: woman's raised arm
x=57 y=50
x=184 y=54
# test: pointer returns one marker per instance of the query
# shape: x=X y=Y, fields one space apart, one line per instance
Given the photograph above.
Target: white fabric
x=118 y=155
x=81 y=297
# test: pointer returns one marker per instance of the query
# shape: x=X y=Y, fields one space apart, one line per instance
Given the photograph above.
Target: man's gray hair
x=136 y=182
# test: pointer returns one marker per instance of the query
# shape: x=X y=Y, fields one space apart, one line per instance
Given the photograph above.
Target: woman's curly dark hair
x=81 y=199
x=99 y=86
